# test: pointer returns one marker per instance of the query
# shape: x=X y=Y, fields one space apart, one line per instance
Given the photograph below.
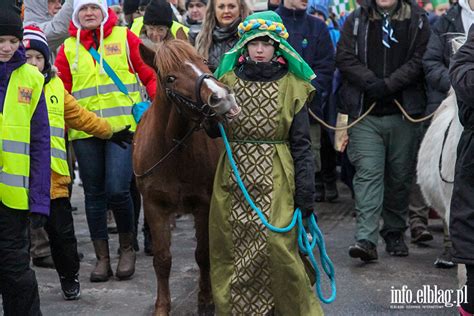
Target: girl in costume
x=255 y=271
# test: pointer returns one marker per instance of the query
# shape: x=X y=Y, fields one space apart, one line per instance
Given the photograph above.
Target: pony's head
x=187 y=81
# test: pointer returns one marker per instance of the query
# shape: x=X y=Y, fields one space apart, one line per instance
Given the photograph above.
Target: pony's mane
x=171 y=55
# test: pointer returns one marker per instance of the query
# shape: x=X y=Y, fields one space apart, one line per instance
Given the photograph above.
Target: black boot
x=395 y=244
x=70 y=287
x=363 y=249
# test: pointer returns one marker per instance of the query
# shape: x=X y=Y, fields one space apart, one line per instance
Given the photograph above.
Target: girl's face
x=156 y=33
x=35 y=58
x=8 y=46
x=90 y=16
x=260 y=51
x=227 y=11
x=196 y=10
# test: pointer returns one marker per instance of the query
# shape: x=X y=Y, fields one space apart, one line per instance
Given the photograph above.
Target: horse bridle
x=197 y=106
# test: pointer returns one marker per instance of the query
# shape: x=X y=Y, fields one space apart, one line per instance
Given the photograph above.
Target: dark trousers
x=18 y=284
x=60 y=229
x=328 y=172
x=469 y=306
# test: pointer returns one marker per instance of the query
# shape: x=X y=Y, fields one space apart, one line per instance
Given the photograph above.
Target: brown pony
x=173 y=159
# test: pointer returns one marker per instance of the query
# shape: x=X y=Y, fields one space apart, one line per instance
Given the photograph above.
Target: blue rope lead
x=305 y=246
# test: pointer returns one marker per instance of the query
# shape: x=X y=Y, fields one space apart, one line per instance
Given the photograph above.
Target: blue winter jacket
x=310 y=37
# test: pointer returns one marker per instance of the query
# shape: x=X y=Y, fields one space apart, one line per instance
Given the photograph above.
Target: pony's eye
x=170 y=79
x=205 y=62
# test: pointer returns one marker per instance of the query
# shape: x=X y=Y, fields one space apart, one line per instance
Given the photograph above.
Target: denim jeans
x=106 y=173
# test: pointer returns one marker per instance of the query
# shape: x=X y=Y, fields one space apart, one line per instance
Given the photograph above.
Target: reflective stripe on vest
x=21 y=99
x=95 y=90
x=14 y=180
x=54 y=94
x=90 y=92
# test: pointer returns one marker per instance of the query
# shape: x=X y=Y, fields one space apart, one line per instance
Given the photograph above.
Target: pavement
x=362 y=289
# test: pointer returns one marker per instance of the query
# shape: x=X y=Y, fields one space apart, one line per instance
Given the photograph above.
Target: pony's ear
x=148 y=56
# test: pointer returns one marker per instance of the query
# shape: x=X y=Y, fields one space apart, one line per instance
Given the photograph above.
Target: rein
x=169 y=153
x=198 y=106
x=343 y=128
x=305 y=245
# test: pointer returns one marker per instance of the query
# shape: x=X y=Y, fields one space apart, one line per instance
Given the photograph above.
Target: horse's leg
x=158 y=221
x=201 y=220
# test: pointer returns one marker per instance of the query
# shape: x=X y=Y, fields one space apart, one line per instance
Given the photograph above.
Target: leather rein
x=198 y=106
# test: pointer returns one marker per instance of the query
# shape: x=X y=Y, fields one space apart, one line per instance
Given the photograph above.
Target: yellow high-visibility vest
x=54 y=94
x=137 y=26
x=95 y=90
x=21 y=99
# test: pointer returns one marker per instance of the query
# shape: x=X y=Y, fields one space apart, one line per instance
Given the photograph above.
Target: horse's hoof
x=206 y=309
x=162 y=311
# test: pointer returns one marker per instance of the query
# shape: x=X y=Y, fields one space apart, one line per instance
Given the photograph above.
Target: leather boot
x=102 y=271
x=126 y=264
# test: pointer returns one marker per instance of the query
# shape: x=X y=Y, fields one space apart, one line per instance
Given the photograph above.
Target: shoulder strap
x=95 y=54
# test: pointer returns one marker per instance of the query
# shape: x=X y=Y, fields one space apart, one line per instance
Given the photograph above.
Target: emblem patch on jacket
x=113 y=49
x=24 y=95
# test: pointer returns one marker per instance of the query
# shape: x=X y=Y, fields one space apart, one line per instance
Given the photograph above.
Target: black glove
x=38 y=220
x=306 y=212
x=122 y=137
x=377 y=90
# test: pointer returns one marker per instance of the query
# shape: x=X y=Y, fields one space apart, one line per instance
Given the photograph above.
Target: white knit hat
x=78 y=4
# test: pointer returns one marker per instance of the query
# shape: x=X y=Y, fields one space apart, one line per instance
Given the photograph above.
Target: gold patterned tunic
x=255 y=271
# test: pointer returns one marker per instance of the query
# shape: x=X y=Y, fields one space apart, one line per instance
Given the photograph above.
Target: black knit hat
x=187 y=2
x=130 y=6
x=158 y=12
x=144 y=3
x=10 y=20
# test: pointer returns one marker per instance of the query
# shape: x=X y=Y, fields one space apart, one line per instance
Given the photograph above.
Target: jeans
x=106 y=173
x=18 y=285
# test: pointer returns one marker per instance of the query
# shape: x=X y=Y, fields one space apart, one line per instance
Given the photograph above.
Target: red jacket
x=145 y=73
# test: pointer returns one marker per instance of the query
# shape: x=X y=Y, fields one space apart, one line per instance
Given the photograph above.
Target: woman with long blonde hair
x=219 y=29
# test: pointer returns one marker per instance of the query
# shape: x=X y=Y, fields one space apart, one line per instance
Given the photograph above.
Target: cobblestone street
x=362 y=289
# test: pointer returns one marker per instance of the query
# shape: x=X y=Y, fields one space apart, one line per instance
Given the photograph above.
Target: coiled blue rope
x=305 y=245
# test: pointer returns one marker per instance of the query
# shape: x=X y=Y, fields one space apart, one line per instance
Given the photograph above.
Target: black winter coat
x=309 y=36
x=437 y=57
x=352 y=54
x=462 y=202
